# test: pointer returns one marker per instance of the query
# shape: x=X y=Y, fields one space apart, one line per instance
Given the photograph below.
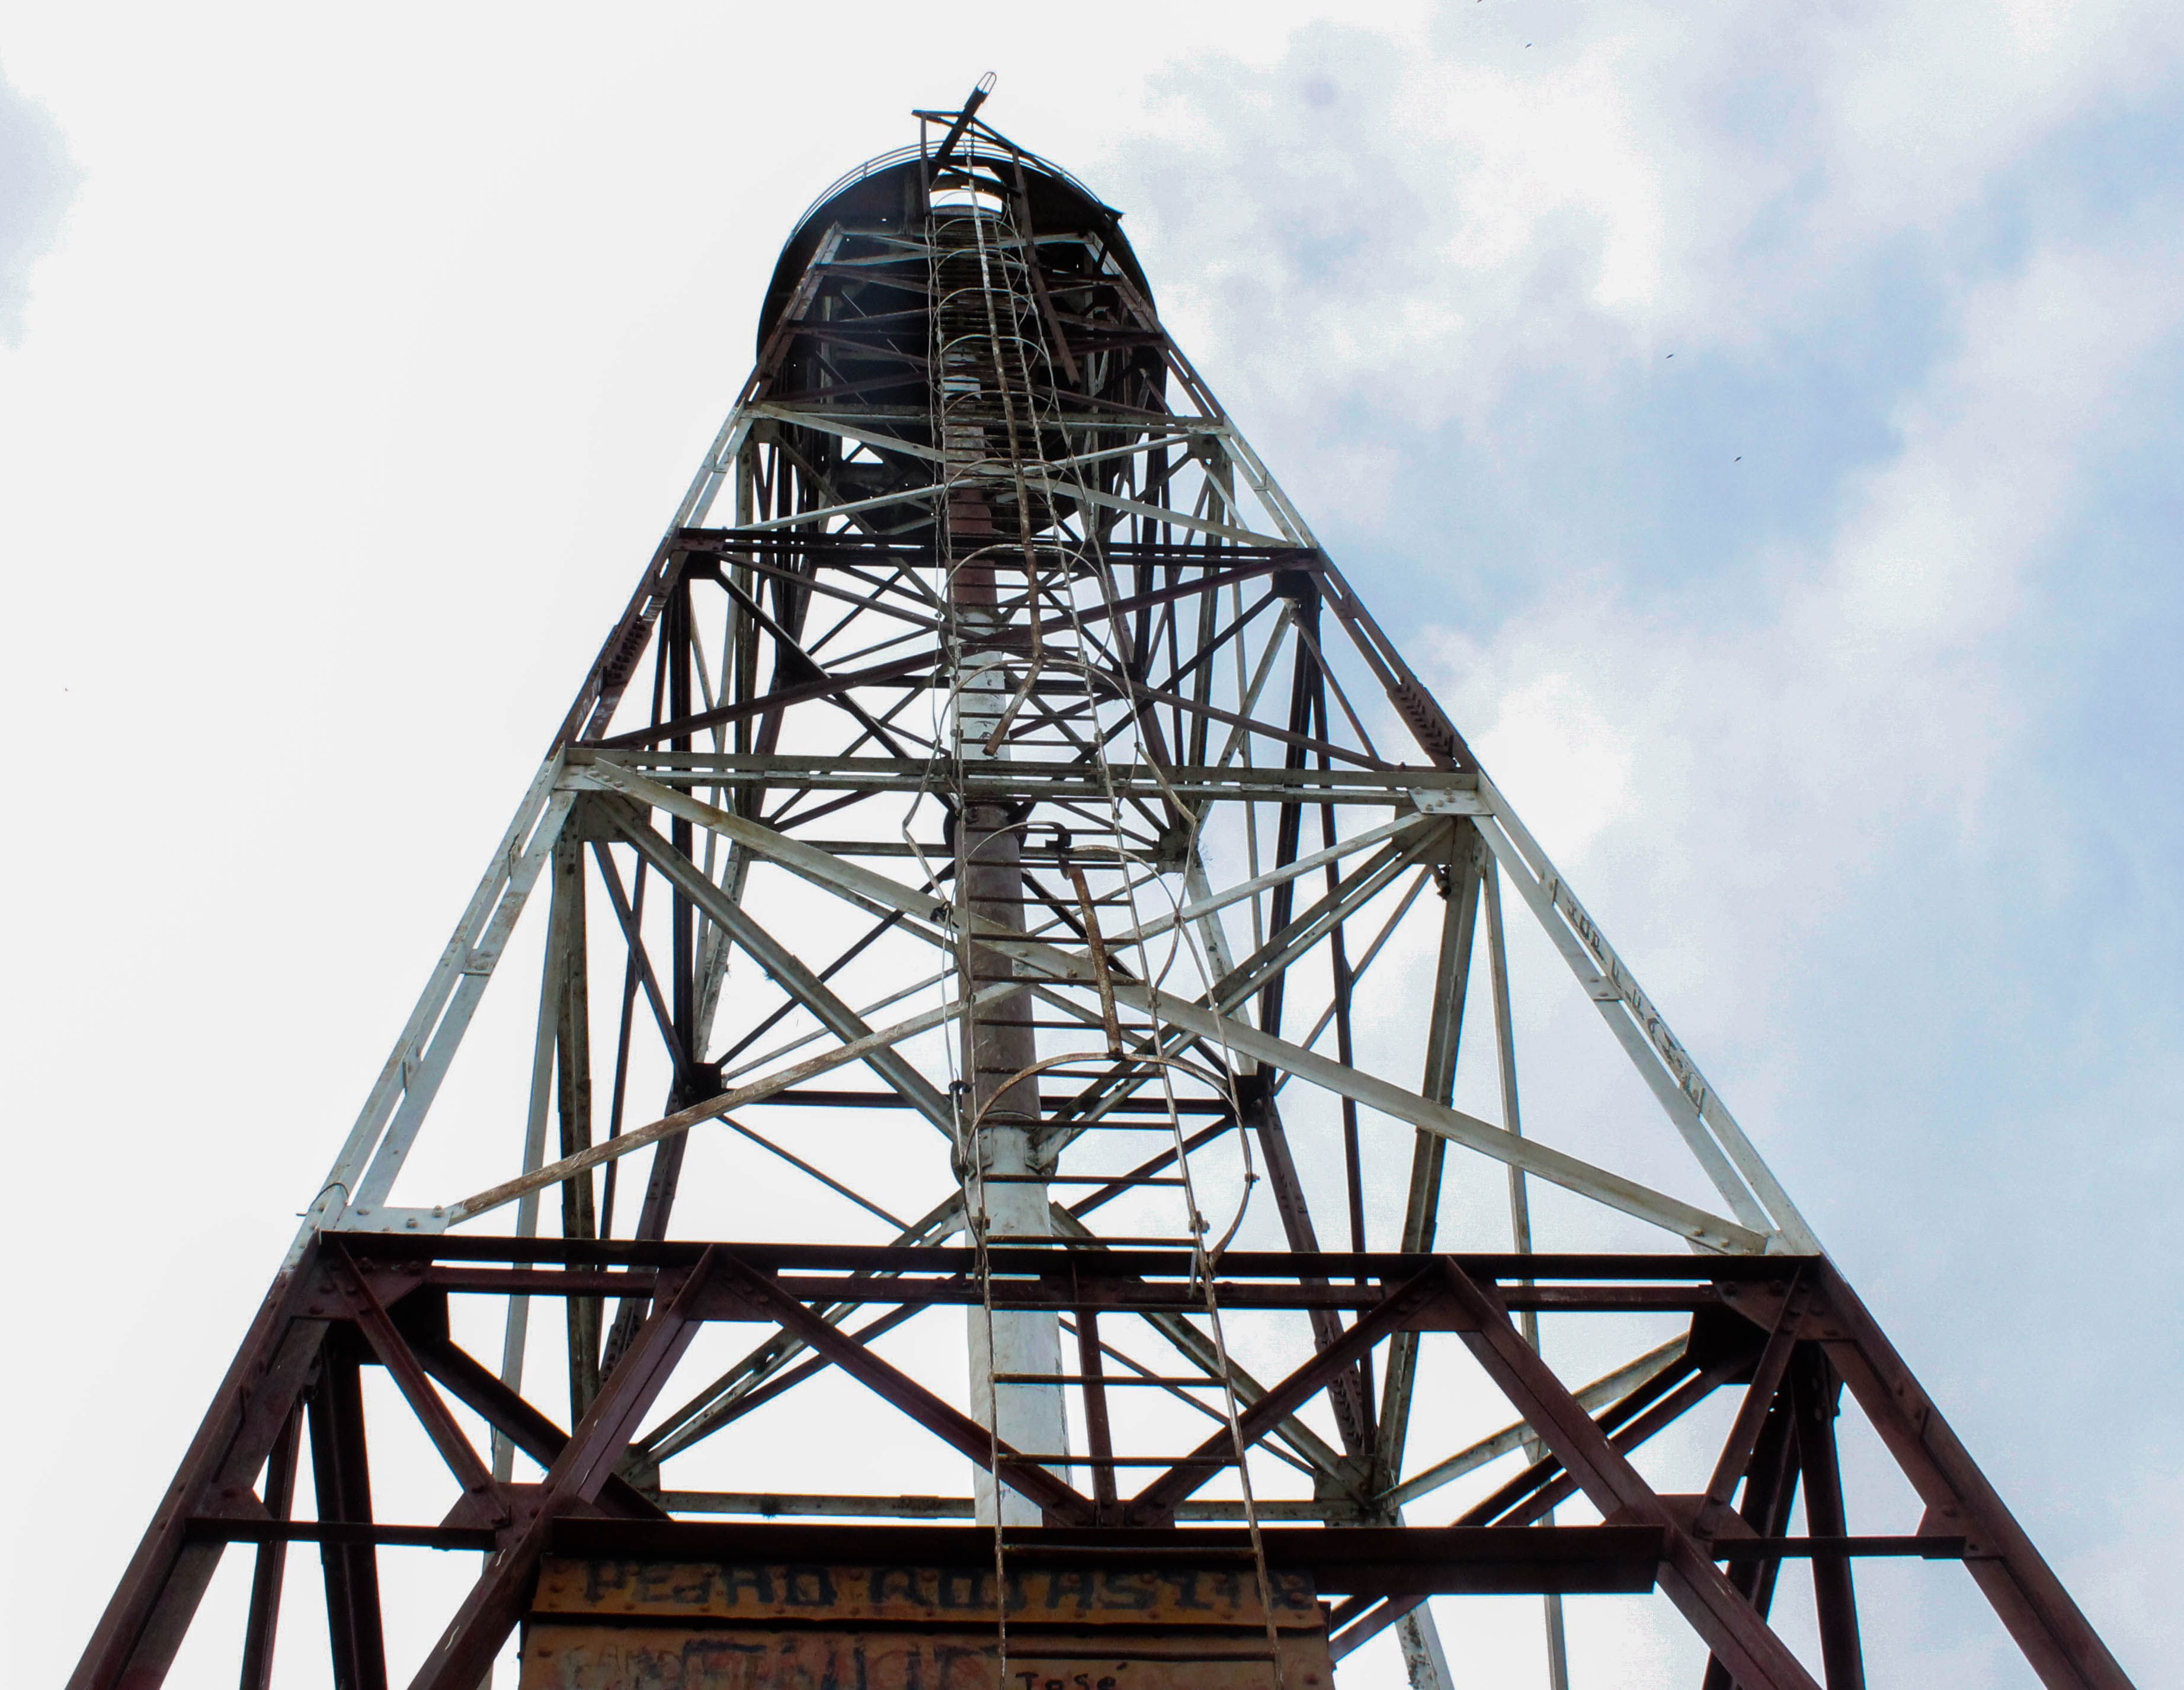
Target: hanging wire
x=1031 y=489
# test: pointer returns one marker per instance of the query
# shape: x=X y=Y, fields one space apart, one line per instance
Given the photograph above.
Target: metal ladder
x=1023 y=688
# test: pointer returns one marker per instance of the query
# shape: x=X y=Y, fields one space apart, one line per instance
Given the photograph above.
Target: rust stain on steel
x=611 y=1625
x=1066 y=1595
x=558 y=1656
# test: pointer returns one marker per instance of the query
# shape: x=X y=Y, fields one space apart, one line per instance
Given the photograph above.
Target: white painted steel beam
x=933 y=921
x=1730 y=1160
x=335 y=1194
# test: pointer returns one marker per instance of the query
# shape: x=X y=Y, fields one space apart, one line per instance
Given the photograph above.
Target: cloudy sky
x=1762 y=421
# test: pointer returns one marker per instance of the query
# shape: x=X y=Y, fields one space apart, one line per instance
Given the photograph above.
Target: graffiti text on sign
x=732 y=1590
x=563 y=1657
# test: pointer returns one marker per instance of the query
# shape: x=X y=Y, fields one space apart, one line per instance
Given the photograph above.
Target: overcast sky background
x=1762 y=421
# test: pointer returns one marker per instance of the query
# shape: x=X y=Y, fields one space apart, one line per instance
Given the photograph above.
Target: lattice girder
x=993 y=777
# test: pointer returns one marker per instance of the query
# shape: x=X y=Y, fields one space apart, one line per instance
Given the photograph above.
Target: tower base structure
x=609 y=1586
x=996 y=816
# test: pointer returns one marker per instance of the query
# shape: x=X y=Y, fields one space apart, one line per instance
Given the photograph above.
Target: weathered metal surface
x=600 y=1625
x=957 y=1595
x=983 y=635
x=558 y=1656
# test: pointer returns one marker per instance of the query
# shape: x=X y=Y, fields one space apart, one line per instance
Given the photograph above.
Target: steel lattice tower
x=992 y=808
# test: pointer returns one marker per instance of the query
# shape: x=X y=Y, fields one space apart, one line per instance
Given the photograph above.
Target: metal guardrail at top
x=968 y=148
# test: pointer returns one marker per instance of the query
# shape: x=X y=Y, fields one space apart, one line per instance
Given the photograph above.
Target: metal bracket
x=364 y=1218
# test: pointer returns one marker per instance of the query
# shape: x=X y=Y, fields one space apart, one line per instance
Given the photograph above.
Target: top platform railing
x=970 y=147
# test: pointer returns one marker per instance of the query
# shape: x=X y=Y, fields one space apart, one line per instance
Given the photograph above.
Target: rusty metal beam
x=2046 y=1625
x=1157 y=1501
x=579 y=1474
x=945 y=481
x=341 y=1470
x=1061 y=1503
x=270 y=1574
x=1712 y=1606
x=151 y=1609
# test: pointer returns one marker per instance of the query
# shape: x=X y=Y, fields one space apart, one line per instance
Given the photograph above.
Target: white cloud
x=1857 y=691
x=40 y=181
x=1934 y=553
x=1550 y=717
x=1443 y=214
x=427 y=313
x=1810 y=787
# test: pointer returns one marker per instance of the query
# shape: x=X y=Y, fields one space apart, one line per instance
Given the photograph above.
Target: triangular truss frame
x=1182 y=693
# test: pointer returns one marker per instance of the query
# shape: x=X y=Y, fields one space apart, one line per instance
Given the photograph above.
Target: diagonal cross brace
x=1347 y=1391
x=1701 y=1591
x=503 y=1409
x=787 y=970
x=1064 y=1504
x=144 y=1621
x=1734 y=1166
x=928 y=918
x=1156 y=1503
x=682 y=1121
x=898 y=669
x=2046 y=1623
x=409 y=1376
x=584 y=1468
